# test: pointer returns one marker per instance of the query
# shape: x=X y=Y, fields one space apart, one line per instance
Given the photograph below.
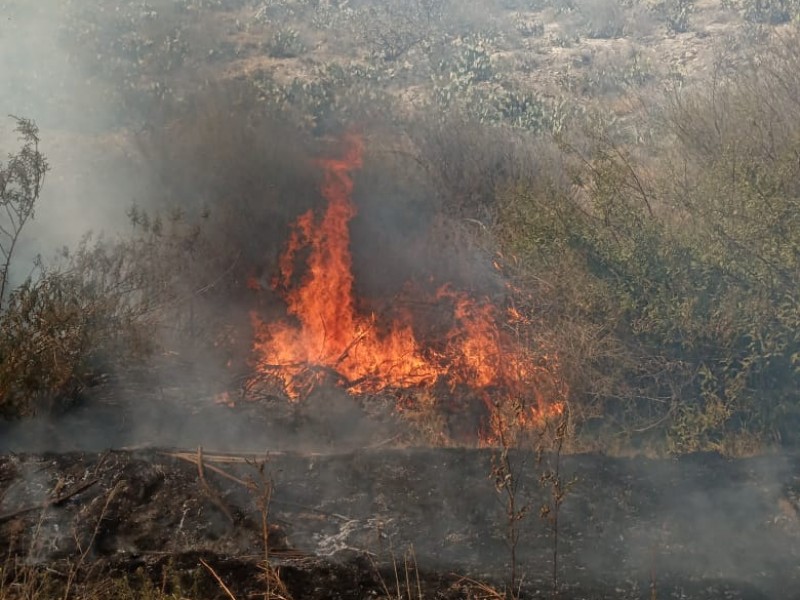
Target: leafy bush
x=466 y=83
x=613 y=73
x=469 y=61
x=334 y=96
x=57 y=332
x=528 y=28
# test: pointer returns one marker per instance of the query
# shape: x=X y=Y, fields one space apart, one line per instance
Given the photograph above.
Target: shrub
x=675 y=13
x=61 y=329
x=469 y=61
x=614 y=73
x=680 y=280
x=391 y=29
x=21 y=181
x=285 y=42
x=603 y=18
x=773 y=12
x=528 y=28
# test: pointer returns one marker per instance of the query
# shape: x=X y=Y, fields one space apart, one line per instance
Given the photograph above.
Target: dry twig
x=212 y=494
x=218 y=579
x=52 y=502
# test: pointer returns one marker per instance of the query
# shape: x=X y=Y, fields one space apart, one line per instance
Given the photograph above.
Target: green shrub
x=689 y=270
x=528 y=28
x=390 y=30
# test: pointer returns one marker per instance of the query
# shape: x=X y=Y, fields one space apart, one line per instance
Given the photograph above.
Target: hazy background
x=95 y=173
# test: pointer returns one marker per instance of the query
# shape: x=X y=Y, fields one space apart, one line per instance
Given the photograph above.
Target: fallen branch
x=52 y=502
x=193 y=460
x=212 y=494
x=219 y=579
x=239 y=458
x=491 y=593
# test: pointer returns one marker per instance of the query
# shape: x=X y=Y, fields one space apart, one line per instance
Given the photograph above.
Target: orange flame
x=327 y=335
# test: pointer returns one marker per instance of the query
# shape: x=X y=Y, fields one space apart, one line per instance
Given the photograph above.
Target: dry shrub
x=64 y=329
x=468 y=162
x=603 y=19
x=422 y=411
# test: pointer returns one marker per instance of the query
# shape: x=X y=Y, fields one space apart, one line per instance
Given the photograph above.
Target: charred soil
x=400 y=522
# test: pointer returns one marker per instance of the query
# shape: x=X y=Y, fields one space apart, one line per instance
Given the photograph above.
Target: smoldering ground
x=630 y=528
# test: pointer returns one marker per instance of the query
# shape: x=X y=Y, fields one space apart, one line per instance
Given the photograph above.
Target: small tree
x=21 y=180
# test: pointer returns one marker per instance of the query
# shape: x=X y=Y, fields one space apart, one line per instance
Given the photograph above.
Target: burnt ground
x=702 y=526
x=347 y=505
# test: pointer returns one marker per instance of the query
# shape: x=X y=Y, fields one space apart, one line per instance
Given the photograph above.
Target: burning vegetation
x=333 y=335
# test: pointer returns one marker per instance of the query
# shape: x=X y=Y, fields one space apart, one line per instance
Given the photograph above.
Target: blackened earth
x=354 y=524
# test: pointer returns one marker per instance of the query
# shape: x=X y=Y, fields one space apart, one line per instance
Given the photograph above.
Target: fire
x=326 y=335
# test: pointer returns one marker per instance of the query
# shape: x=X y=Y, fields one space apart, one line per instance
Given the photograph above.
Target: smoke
x=702 y=522
x=401 y=234
x=94 y=176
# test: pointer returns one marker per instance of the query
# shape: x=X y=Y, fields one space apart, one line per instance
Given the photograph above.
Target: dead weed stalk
x=262 y=492
x=83 y=552
x=552 y=479
x=506 y=476
x=405 y=586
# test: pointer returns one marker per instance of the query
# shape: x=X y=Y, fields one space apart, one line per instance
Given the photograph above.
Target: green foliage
x=611 y=73
x=466 y=81
x=503 y=106
x=279 y=11
x=335 y=95
x=468 y=61
x=389 y=30
x=56 y=331
x=95 y=309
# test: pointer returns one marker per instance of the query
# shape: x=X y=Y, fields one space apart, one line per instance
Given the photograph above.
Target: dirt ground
x=340 y=524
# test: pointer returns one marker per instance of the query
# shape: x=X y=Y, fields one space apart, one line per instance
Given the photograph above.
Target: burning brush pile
x=433 y=347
